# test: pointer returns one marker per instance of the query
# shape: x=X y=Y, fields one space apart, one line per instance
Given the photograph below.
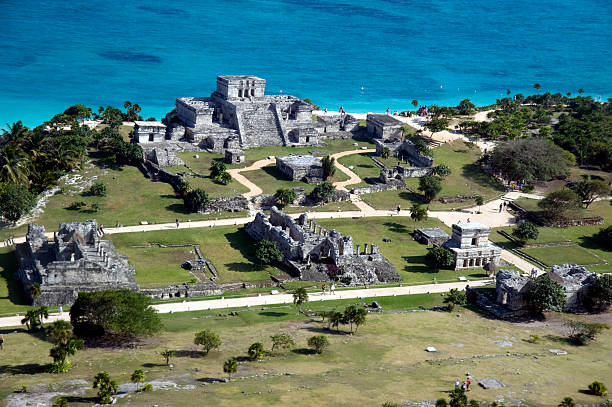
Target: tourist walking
x=323 y=289
x=101 y=229
x=463 y=385
x=1 y=342
x=177 y=223
x=467 y=384
x=500 y=207
x=398 y=209
x=456 y=383
x=332 y=288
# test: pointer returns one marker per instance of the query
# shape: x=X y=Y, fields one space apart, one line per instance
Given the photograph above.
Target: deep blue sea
x=55 y=53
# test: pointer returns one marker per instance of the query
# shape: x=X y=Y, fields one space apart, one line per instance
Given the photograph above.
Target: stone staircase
x=260 y=127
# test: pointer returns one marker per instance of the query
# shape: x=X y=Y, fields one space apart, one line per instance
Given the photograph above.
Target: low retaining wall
x=591 y=221
x=202 y=290
x=392 y=185
x=455 y=199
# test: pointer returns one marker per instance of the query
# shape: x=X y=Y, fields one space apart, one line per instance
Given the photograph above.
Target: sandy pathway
x=254 y=190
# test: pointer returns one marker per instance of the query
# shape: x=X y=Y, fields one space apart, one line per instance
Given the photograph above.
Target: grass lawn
x=579 y=235
x=465 y=179
x=229 y=248
x=384 y=361
x=563 y=254
x=269 y=179
x=213 y=188
x=12 y=297
x=407 y=255
x=131 y=198
x=163 y=265
x=329 y=207
x=362 y=165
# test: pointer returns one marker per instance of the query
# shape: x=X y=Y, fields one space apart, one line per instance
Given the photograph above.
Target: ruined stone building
x=149 y=132
x=431 y=236
x=383 y=126
x=240 y=109
x=512 y=288
x=295 y=167
x=315 y=254
x=472 y=248
x=76 y=260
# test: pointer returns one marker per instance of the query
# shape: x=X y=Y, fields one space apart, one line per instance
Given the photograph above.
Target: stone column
x=365 y=248
x=357 y=249
x=373 y=249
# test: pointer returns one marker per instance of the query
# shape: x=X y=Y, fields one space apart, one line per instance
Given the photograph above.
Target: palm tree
x=127 y=104
x=230 y=366
x=335 y=319
x=567 y=402
x=508 y=91
x=415 y=102
x=418 y=213
x=537 y=86
x=300 y=296
x=34 y=291
x=581 y=91
x=479 y=201
x=137 y=377
x=16 y=132
x=107 y=387
x=30 y=320
x=167 y=354
x=14 y=165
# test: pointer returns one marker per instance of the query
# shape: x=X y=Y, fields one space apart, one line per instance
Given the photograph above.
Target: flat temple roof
x=384 y=119
x=239 y=77
x=150 y=124
x=471 y=226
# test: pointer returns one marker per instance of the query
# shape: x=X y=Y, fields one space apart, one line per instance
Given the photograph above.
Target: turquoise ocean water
x=55 y=53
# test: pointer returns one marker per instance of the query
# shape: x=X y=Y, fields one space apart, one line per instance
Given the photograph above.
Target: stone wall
x=226 y=204
x=391 y=185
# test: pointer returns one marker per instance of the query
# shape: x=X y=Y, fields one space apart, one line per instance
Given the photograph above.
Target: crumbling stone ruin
x=149 y=132
x=234 y=156
x=383 y=126
x=472 y=248
x=431 y=236
x=419 y=165
x=307 y=168
x=511 y=288
x=240 y=109
x=76 y=260
x=315 y=254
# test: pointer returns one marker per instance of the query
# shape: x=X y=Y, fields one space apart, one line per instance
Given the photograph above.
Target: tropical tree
x=208 y=339
x=225 y=178
x=230 y=366
x=436 y=124
x=329 y=166
x=430 y=187
x=106 y=386
x=466 y=107
x=600 y=292
x=386 y=152
x=63 y=348
x=415 y=102
x=479 y=201
x=442 y=170
x=318 y=343
x=196 y=199
x=33 y=318
x=34 y=290
x=256 y=351
x=267 y=252
x=458 y=398
x=525 y=231
x=441 y=403
x=14 y=164
x=285 y=196
x=282 y=340
x=14 y=133
x=217 y=168
x=300 y=296
x=589 y=190
x=418 y=212
x=557 y=204
x=439 y=258
x=544 y=294
x=137 y=378
x=323 y=192
x=354 y=315
x=167 y=354
x=335 y=318
x=581 y=91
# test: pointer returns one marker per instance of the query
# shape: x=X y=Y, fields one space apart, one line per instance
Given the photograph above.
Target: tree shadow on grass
x=28 y=368
x=178 y=208
x=412 y=197
x=477 y=175
x=81 y=399
x=273 y=314
x=415 y=265
x=273 y=172
x=303 y=351
x=241 y=241
x=153 y=365
x=325 y=330
x=15 y=291
x=183 y=353
x=589 y=242
x=396 y=227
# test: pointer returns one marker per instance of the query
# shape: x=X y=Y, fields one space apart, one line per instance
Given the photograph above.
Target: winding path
x=254 y=190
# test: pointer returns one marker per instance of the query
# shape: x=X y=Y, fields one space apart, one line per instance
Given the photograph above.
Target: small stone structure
x=77 y=260
x=307 y=168
x=472 y=248
x=511 y=288
x=234 y=156
x=163 y=156
x=383 y=126
x=149 y=132
x=315 y=254
x=433 y=236
x=240 y=109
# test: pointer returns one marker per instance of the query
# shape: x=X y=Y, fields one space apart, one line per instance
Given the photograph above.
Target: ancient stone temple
x=240 y=108
x=307 y=168
x=313 y=253
x=383 y=126
x=472 y=248
x=76 y=260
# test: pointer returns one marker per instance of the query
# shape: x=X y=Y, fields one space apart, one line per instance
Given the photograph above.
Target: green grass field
x=163 y=265
x=384 y=361
x=562 y=255
x=329 y=207
x=270 y=180
x=465 y=179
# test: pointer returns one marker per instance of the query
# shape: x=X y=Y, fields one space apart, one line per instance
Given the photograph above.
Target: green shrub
x=439 y=258
x=318 y=343
x=256 y=351
x=98 y=189
x=598 y=388
x=76 y=205
x=147 y=387
x=533 y=338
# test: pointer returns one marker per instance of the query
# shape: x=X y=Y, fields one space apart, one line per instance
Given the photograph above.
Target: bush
x=604 y=237
x=442 y=170
x=525 y=231
x=454 y=297
x=97 y=189
x=598 y=388
x=195 y=200
x=267 y=252
x=581 y=332
x=557 y=204
x=217 y=168
x=285 y=196
x=224 y=178
x=256 y=351
x=114 y=313
x=318 y=343
x=147 y=387
x=127 y=153
x=323 y=192
x=439 y=258
x=76 y=205
x=329 y=166
x=600 y=293
x=544 y=294
x=533 y=338
x=208 y=340
x=282 y=340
